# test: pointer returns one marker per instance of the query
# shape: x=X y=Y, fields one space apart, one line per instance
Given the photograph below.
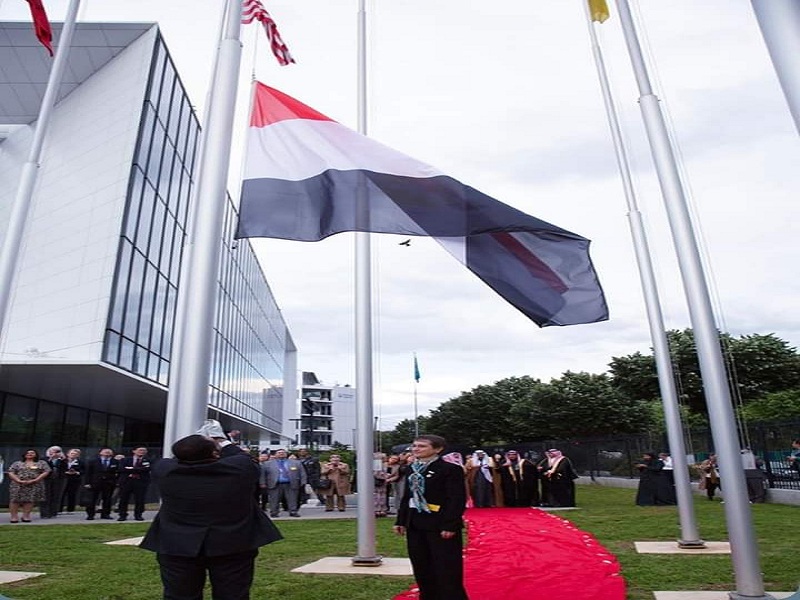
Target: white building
x=85 y=356
x=327 y=415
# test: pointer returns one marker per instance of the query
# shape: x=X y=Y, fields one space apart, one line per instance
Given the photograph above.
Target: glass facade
x=250 y=335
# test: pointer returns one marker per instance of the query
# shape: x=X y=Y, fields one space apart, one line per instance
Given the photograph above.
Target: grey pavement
x=310 y=510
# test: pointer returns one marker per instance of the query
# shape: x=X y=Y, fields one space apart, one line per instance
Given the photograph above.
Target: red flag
x=41 y=24
x=254 y=10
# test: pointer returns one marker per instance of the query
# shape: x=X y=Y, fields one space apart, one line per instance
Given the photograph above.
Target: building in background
x=85 y=357
x=327 y=415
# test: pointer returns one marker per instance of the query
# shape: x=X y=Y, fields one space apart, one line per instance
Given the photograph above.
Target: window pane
x=75 y=427
x=134 y=295
x=126 y=354
x=154 y=160
x=145 y=218
x=116 y=430
x=121 y=287
x=146 y=136
x=111 y=351
x=98 y=430
x=146 y=312
x=19 y=416
x=134 y=202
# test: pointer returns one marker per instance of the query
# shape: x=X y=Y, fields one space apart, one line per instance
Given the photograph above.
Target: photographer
x=209 y=521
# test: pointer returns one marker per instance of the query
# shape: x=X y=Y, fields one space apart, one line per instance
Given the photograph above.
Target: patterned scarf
x=416 y=482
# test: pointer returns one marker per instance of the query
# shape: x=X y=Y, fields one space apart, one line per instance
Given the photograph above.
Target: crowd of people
x=503 y=480
x=58 y=482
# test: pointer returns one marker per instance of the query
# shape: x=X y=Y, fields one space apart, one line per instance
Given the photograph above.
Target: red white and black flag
x=254 y=10
x=306 y=174
x=41 y=24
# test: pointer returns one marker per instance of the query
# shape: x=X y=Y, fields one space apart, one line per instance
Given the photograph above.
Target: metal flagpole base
x=367 y=561
x=735 y=596
x=691 y=544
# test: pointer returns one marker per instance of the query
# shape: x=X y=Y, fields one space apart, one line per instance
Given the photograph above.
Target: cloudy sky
x=503 y=95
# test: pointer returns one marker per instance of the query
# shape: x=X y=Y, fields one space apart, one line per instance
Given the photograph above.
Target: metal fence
x=617 y=455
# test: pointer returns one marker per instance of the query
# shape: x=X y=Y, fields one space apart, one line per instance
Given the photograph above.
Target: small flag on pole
x=416 y=369
x=254 y=10
x=41 y=24
x=599 y=10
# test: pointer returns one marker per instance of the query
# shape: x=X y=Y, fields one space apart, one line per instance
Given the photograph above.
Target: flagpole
x=690 y=538
x=779 y=21
x=187 y=400
x=365 y=480
x=416 y=409
x=744 y=550
x=9 y=254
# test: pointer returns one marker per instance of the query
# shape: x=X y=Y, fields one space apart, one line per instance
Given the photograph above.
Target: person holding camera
x=209 y=521
x=338 y=474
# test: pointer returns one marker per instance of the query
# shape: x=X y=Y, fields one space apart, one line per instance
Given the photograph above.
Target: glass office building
x=85 y=357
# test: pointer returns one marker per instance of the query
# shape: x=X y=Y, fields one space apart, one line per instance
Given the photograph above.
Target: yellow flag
x=599 y=10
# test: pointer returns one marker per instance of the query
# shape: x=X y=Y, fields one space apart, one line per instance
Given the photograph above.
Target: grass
x=80 y=567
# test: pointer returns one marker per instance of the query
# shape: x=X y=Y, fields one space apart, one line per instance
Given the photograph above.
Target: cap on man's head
x=265 y=452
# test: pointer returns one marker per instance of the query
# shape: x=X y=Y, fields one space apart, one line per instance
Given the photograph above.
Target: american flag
x=254 y=10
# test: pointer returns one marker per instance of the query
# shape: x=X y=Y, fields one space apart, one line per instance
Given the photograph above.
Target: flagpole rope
x=703 y=248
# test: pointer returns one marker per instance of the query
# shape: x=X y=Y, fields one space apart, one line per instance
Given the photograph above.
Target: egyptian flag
x=307 y=177
x=41 y=24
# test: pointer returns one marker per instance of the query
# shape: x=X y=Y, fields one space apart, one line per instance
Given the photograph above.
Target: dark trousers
x=231 y=576
x=70 y=496
x=100 y=492
x=53 y=489
x=437 y=563
x=135 y=488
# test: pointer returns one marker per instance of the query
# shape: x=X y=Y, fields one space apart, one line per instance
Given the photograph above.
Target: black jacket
x=444 y=488
x=96 y=476
x=208 y=508
x=130 y=474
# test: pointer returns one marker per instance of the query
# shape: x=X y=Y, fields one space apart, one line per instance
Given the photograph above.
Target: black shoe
x=119 y=519
x=90 y=518
x=273 y=515
x=294 y=514
x=109 y=517
x=139 y=518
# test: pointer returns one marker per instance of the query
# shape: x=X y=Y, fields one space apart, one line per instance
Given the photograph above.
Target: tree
x=579 y=405
x=777 y=406
x=756 y=365
x=403 y=433
x=480 y=416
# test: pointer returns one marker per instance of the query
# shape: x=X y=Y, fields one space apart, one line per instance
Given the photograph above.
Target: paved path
x=307 y=511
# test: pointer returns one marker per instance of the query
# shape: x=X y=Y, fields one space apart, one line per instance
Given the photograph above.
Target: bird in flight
x=406 y=243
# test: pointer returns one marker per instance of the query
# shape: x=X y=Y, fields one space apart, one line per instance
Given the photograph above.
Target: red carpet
x=528 y=554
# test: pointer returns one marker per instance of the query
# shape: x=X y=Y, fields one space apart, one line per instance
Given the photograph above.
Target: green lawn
x=79 y=567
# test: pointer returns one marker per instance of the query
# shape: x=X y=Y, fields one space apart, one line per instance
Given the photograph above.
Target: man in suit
x=283 y=478
x=209 y=521
x=101 y=479
x=430 y=516
x=134 y=477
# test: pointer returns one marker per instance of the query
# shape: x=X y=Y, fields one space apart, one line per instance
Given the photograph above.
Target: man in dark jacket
x=209 y=521
x=430 y=516
x=101 y=479
x=134 y=478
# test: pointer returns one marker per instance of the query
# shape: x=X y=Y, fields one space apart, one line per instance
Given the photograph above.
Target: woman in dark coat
x=652 y=482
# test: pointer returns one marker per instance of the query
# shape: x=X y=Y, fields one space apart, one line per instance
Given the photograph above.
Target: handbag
x=323 y=484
